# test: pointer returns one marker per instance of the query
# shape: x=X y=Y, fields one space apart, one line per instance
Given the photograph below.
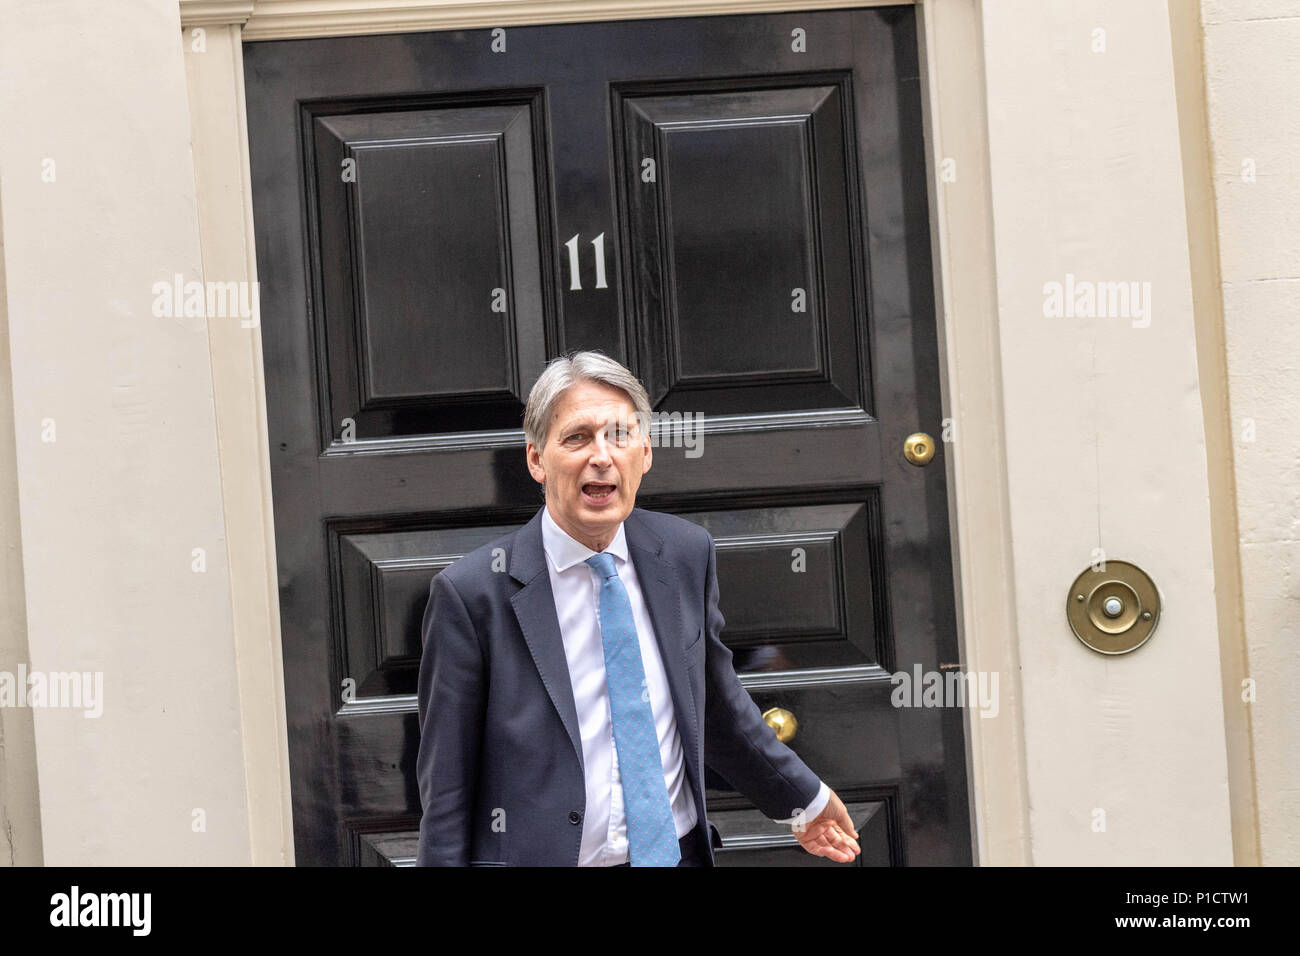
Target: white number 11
x=575 y=279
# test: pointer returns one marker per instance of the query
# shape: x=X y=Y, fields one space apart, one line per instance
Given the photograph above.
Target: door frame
x=961 y=230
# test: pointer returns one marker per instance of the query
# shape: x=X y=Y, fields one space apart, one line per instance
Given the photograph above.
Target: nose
x=600 y=455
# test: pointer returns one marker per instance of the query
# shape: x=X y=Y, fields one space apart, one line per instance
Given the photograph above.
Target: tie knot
x=603 y=563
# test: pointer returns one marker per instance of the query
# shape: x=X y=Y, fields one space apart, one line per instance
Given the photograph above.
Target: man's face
x=592 y=462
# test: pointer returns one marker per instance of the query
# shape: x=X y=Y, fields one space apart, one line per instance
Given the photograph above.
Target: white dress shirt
x=576 y=588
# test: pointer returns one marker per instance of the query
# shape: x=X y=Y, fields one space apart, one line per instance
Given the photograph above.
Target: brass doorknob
x=782 y=722
x=918 y=449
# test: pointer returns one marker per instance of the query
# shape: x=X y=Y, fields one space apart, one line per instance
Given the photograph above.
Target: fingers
x=847 y=843
x=838 y=814
x=845 y=822
x=839 y=831
x=840 y=853
x=831 y=842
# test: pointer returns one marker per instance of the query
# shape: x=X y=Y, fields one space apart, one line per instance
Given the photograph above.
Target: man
x=574 y=684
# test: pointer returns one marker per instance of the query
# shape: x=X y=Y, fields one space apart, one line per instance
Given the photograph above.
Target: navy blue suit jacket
x=500 y=759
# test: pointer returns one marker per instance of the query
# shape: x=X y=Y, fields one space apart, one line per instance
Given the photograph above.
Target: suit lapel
x=534 y=607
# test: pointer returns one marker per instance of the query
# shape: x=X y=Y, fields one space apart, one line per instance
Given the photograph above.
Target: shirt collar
x=564 y=551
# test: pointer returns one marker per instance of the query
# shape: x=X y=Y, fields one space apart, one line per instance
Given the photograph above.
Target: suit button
x=575 y=816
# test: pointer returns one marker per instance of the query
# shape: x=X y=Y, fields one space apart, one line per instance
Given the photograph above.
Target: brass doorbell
x=1115 y=610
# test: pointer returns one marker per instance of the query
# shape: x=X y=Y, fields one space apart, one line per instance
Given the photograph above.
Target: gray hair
x=566 y=371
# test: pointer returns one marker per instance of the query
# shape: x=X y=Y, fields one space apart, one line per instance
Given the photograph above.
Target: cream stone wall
x=20 y=817
x=117 y=478
x=1105 y=441
x=1252 y=84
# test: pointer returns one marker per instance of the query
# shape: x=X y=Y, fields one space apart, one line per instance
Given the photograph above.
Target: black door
x=734 y=207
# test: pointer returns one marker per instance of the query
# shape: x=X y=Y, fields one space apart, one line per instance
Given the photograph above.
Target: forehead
x=589 y=401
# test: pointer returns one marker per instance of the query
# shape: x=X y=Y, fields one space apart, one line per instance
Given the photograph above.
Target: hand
x=831 y=833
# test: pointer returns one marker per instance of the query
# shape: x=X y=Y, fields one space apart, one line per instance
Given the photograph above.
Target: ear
x=534 y=460
x=649 y=454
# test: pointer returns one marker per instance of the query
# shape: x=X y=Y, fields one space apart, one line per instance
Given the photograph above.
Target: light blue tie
x=651 y=832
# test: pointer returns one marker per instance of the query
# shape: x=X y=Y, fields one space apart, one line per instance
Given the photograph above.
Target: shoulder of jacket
x=469 y=568
x=673 y=528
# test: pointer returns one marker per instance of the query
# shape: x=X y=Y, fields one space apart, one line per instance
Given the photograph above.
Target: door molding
x=962 y=244
x=288 y=19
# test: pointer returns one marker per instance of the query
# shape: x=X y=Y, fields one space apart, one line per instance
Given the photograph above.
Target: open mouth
x=597 y=492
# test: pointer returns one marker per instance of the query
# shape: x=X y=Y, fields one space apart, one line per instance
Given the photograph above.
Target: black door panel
x=742 y=223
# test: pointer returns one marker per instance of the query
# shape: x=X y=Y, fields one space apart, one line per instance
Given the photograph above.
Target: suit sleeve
x=451 y=697
x=738 y=743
